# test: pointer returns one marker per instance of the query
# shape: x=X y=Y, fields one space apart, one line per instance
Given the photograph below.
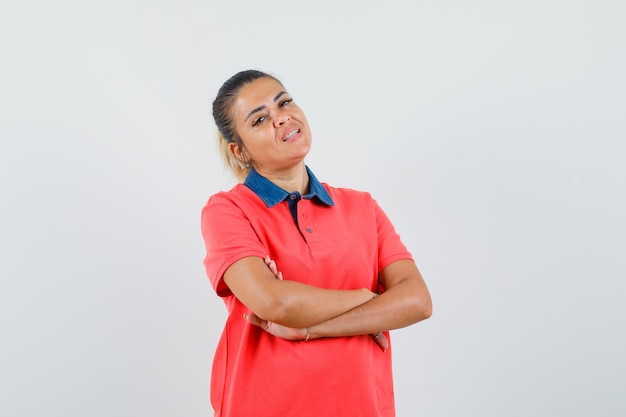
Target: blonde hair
x=238 y=168
x=222 y=114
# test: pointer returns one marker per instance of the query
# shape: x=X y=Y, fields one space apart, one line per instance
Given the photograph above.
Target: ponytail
x=237 y=167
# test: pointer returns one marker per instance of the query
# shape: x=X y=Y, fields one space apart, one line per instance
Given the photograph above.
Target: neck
x=294 y=179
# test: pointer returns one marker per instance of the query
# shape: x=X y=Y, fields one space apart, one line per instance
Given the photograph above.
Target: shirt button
x=308 y=229
x=293 y=197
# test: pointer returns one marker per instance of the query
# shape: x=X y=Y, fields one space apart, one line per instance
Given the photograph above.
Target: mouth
x=291 y=135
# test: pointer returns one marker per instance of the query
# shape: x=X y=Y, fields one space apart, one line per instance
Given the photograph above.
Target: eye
x=285 y=102
x=258 y=120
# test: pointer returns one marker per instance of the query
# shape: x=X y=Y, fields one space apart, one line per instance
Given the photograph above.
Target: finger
x=271 y=264
x=253 y=319
x=257 y=321
x=384 y=343
x=273 y=268
x=280 y=276
x=381 y=341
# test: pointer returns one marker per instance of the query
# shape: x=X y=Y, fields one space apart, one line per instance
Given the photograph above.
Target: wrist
x=367 y=294
x=311 y=333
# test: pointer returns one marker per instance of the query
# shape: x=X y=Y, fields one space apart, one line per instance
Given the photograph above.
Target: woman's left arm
x=406 y=301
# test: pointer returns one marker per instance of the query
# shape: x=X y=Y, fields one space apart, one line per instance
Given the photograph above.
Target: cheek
x=303 y=119
x=256 y=140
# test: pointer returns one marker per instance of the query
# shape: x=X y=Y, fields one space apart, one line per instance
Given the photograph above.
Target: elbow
x=423 y=303
x=426 y=310
x=269 y=311
x=276 y=304
x=273 y=308
x=422 y=308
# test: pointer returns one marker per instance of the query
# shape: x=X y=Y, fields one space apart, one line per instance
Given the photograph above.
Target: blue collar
x=271 y=194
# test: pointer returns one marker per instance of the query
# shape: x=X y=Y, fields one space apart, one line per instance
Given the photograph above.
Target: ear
x=236 y=150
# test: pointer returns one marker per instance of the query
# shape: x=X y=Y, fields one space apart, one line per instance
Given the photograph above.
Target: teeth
x=292 y=134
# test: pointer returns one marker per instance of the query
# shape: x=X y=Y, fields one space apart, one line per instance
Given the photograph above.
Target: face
x=274 y=130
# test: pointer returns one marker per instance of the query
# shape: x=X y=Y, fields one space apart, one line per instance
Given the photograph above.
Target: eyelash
x=262 y=118
x=257 y=121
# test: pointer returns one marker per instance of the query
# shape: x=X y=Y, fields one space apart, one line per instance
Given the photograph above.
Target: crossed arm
x=298 y=310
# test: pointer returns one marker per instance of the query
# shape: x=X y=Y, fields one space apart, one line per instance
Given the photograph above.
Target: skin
x=264 y=115
x=276 y=139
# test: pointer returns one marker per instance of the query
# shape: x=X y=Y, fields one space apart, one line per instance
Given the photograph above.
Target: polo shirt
x=331 y=238
x=272 y=194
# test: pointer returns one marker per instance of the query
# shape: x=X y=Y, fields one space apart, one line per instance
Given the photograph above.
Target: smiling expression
x=274 y=130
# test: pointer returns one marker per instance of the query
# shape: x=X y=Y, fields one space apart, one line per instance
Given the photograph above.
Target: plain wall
x=492 y=133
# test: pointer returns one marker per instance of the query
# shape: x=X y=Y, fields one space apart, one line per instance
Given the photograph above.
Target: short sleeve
x=390 y=246
x=228 y=237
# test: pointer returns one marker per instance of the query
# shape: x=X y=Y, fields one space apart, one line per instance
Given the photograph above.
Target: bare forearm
x=259 y=286
x=303 y=305
x=405 y=303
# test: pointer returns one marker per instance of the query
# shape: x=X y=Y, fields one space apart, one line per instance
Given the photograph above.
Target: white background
x=492 y=132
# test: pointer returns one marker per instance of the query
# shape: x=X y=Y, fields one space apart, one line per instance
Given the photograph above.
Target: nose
x=280 y=118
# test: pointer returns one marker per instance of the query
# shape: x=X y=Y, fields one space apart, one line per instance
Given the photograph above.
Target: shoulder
x=236 y=195
x=348 y=195
x=238 y=202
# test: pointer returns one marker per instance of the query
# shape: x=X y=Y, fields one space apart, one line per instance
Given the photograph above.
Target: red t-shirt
x=343 y=246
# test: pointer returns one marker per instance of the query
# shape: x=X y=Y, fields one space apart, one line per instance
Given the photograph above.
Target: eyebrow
x=263 y=106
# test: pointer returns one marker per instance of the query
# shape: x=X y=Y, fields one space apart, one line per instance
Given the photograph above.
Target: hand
x=272 y=266
x=380 y=338
x=277 y=330
x=288 y=333
x=381 y=341
x=274 y=329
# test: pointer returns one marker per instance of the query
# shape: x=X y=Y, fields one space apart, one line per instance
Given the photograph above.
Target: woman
x=310 y=339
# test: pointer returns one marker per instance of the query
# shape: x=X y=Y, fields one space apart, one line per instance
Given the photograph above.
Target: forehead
x=258 y=93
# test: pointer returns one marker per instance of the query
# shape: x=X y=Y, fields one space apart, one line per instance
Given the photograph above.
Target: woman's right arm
x=288 y=303
x=227 y=231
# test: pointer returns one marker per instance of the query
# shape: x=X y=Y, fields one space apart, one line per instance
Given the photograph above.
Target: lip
x=290 y=131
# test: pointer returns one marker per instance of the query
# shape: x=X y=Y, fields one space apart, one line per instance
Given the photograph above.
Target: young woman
x=313 y=276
